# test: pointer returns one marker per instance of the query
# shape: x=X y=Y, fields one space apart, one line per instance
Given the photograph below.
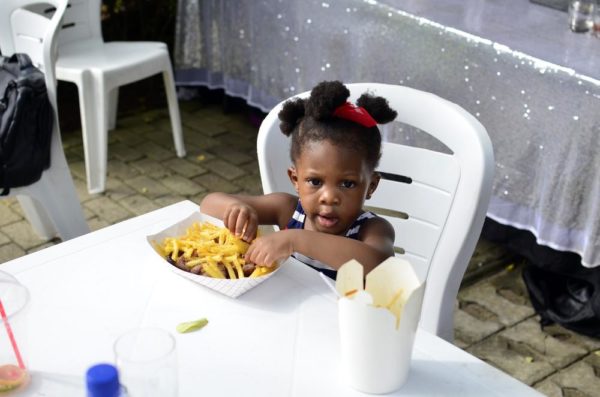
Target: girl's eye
x=348 y=184
x=314 y=182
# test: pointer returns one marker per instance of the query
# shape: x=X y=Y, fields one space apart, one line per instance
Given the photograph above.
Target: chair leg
x=93 y=101
x=445 y=326
x=51 y=204
x=174 y=111
x=59 y=214
x=37 y=217
x=65 y=207
x=113 y=104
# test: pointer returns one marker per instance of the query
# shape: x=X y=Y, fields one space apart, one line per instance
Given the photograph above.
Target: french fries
x=211 y=251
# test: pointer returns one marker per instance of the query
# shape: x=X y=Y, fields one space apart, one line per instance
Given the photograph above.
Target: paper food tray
x=231 y=288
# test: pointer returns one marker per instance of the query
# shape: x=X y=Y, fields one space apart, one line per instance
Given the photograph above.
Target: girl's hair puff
x=312 y=120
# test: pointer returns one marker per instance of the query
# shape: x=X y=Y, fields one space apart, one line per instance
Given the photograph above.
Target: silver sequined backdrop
x=542 y=119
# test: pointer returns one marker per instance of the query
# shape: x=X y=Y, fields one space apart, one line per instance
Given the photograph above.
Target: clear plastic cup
x=7 y=277
x=14 y=299
x=147 y=361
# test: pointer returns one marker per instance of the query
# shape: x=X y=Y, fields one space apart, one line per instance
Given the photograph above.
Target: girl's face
x=332 y=183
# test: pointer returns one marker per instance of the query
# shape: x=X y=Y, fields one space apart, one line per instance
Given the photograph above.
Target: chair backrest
x=25 y=31
x=81 y=22
x=436 y=201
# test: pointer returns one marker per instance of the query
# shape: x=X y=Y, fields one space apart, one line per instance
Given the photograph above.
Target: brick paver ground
x=493 y=318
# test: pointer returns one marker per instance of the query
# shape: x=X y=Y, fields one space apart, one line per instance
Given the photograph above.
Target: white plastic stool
x=98 y=69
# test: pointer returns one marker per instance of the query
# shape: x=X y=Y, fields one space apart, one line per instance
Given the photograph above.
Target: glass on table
x=581 y=15
x=596 y=26
x=14 y=298
x=7 y=277
x=147 y=361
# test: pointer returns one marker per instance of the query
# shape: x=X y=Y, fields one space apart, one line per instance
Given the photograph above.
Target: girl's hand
x=242 y=220
x=267 y=249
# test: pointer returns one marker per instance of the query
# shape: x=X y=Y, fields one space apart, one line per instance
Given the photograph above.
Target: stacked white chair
x=98 y=69
x=51 y=204
x=436 y=201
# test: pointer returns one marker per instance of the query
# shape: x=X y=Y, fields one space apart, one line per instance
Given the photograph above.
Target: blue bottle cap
x=102 y=380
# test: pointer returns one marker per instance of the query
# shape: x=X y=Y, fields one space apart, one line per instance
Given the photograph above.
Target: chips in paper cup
x=231 y=288
x=378 y=323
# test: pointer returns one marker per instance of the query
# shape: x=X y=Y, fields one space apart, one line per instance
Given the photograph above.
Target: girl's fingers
x=241 y=221
x=250 y=253
x=236 y=219
x=226 y=218
x=230 y=218
x=262 y=258
x=254 y=253
x=250 y=231
x=267 y=261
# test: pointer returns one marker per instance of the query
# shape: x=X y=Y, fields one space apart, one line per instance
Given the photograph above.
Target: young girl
x=335 y=147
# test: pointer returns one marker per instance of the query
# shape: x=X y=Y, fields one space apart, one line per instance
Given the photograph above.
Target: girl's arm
x=376 y=245
x=242 y=214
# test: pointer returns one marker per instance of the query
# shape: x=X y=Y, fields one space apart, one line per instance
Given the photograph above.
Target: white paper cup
x=375 y=352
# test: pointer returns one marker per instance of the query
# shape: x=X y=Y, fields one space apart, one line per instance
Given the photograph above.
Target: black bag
x=560 y=288
x=26 y=119
x=567 y=295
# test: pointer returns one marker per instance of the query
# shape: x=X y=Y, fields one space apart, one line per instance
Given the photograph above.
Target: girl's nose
x=329 y=196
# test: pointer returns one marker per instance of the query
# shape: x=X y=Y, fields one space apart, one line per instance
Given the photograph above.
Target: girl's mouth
x=327 y=221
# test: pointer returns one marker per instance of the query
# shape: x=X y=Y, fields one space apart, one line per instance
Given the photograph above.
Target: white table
x=279 y=339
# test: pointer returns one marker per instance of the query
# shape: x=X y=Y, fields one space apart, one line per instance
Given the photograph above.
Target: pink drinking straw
x=11 y=336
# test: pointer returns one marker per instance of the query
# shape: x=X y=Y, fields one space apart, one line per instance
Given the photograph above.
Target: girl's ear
x=293 y=177
x=373 y=185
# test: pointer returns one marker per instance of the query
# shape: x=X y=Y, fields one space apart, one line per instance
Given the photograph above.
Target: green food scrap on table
x=190 y=326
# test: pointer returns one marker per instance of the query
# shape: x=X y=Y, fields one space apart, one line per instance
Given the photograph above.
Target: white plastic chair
x=51 y=204
x=99 y=69
x=436 y=201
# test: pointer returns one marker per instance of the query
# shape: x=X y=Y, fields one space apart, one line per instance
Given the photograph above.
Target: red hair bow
x=357 y=114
